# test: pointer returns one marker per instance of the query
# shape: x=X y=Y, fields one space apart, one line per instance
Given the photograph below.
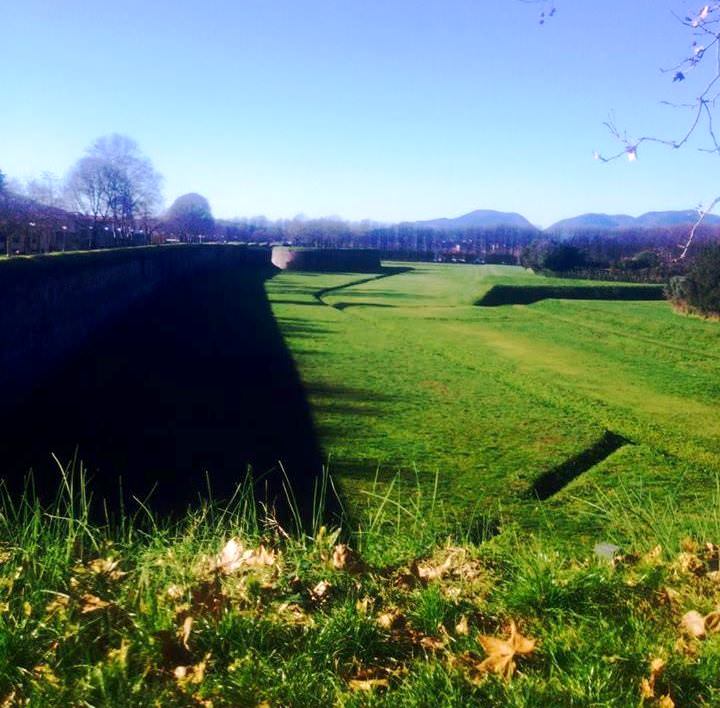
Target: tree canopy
x=190 y=216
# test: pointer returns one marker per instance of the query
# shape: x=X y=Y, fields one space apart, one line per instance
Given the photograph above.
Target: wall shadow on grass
x=556 y=479
x=528 y=294
x=192 y=386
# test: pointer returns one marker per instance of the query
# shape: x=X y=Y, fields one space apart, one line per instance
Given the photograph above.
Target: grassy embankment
x=406 y=375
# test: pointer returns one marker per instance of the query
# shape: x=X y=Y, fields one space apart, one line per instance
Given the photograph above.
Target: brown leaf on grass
x=690 y=563
x=712 y=622
x=647 y=685
x=234 y=556
x=501 y=653
x=392 y=619
x=433 y=571
x=453 y=562
x=429 y=643
x=106 y=567
x=175 y=592
x=669 y=596
x=710 y=555
x=186 y=630
x=194 y=674
x=344 y=558
x=321 y=591
x=693 y=624
x=92 y=603
x=45 y=674
x=686 y=648
x=292 y=613
x=57 y=605
x=363 y=605
x=367 y=684
x=369 y=678
x=689 y=545
x=461 y=628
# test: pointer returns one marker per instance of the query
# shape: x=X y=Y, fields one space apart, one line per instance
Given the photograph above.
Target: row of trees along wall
x=110 y=197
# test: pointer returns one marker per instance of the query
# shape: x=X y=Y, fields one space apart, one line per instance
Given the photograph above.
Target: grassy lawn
x=407 y=376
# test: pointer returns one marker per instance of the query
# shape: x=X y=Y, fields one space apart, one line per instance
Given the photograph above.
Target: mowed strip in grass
x=405 y=373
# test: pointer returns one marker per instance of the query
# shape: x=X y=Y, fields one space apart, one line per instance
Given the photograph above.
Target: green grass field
x=406 y=375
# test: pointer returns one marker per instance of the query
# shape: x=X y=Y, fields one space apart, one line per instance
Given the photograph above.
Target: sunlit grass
x=410 y=377
x=226 y=607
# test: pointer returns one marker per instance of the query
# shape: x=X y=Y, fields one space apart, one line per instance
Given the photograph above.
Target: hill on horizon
x=618 y=222
x=480 y=218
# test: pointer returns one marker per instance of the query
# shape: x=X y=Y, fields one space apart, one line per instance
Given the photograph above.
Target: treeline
x=637 y=255
x=399 y=241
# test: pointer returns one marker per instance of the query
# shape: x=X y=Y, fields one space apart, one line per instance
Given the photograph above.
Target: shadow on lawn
x=186 y=390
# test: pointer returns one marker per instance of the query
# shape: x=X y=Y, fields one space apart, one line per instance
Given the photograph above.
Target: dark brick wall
x=51 y=305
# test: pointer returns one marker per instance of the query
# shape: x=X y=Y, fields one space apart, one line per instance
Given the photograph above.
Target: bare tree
x=115 y=184
x=703 y=29
x=46 y=189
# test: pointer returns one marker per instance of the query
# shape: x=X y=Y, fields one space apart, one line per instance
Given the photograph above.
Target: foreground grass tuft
x=225 y=607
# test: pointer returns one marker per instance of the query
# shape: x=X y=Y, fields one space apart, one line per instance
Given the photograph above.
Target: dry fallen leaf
x=363 y=605
x=712 y=622
x=186 y=629
x=431 y=643
x=234 y=556
x=501 y=653
x=665 y=702
x=92 y=603
x=669 y=596
x=690 y=563
x=689 y=545
x=367 y=684
x=461 y=628
x=321 y=590
x=647 y=685
x=427 y=571
x=175 y=592
x=57 y=605
x=106 y=567
x=693 y=623
x=292 y=613
x=390 y=620
x=344 y=558
x=45 y=674
x=191 y=674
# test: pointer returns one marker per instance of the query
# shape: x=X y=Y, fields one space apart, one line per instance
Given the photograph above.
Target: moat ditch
x=184 y=391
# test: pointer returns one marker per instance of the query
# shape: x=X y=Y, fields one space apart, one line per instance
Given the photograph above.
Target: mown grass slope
x=405 y=374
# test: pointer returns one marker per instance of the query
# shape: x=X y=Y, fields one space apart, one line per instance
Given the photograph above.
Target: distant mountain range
x=651 y=220
x=489 y=219
x=481 y=218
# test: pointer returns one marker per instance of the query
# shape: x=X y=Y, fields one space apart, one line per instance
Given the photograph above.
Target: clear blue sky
x=381 y=109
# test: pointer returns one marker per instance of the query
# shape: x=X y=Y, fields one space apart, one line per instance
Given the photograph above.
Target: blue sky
x=380 y=109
